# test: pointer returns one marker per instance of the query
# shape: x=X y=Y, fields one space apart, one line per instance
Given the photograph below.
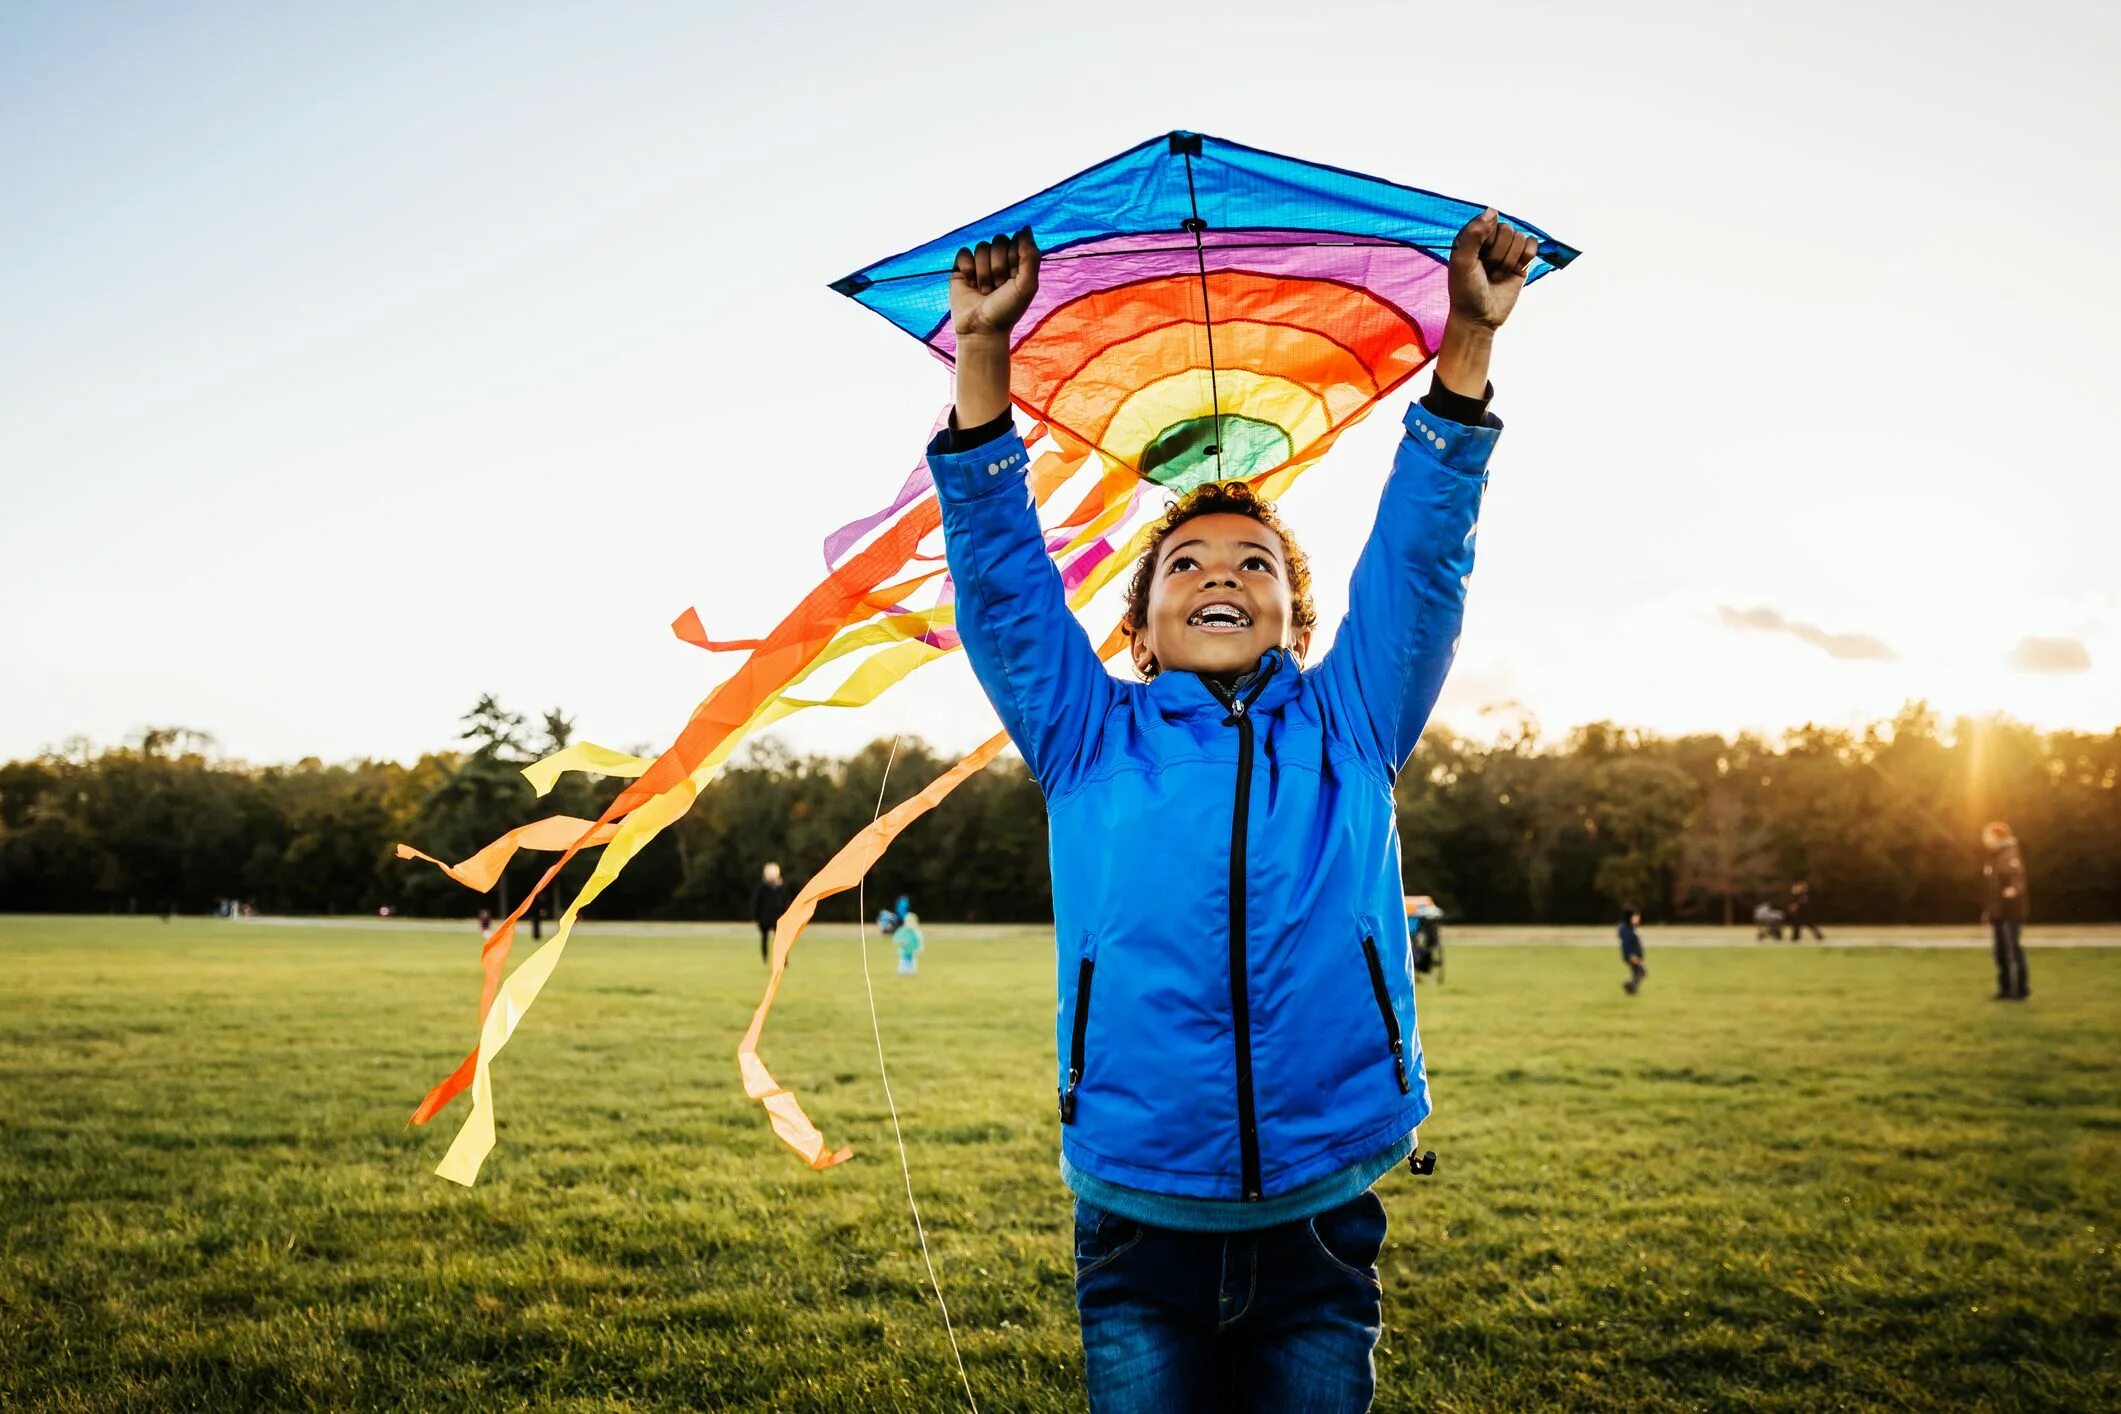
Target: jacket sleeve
x=1407 y=599
x=1032 y=658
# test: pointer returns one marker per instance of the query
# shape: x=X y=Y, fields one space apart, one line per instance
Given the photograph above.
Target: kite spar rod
x=1194 y=224
x=1437 y=252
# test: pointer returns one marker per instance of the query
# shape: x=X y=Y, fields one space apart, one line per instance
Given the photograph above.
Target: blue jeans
x=1280 y=1321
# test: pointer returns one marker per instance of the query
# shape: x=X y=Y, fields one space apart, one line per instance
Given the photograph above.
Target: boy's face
x=1218 y=599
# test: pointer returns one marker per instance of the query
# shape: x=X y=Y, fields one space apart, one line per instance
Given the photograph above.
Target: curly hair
x=1215 y=498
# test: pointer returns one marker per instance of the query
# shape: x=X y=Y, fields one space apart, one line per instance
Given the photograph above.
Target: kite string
x=905 y=1167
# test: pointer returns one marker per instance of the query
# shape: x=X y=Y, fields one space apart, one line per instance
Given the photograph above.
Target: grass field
x=1781 y=1178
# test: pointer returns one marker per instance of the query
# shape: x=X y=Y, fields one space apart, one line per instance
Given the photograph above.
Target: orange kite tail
x=846 y=870
x=843 y=872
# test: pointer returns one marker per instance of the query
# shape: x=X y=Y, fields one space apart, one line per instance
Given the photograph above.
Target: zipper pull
x=1237 y=708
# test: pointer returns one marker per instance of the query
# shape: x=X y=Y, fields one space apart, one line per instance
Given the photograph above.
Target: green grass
x=1781 y=1178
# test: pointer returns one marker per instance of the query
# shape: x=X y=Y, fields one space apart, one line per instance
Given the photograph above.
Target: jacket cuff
x=1456 y=445
x=977 y=471
x=1457 y=407
x=964 y=439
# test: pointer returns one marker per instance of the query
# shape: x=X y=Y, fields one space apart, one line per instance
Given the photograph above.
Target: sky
x=359 y=360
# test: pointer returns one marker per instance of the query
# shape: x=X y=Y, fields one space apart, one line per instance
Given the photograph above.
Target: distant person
x=485 y=922
x=889 y=919
x=1799 y=913
x=768 y=902
x=908 y=937
x=1425 y=932
x=1631 y=949
x=2005 y=914
x=1767 y=922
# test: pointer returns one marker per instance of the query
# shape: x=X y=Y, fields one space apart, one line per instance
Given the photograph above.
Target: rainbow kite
x=1206 y=311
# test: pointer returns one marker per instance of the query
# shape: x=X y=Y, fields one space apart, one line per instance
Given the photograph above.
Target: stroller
x=1767 y=923
x=1425 y=934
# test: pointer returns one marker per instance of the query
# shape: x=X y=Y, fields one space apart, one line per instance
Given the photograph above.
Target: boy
x=1226 y=869
x=1631 y=948
x=908 y=937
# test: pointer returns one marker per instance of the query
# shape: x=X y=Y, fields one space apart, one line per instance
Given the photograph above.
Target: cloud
x=1859 y=647
x=2050 y=655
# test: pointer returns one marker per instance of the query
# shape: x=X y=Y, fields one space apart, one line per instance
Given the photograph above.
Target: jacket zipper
x=1384 y=1009
x=1075 y=1044
x=1240 y=1000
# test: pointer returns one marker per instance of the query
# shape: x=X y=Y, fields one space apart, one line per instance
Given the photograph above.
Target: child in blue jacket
x=1237 y=1056
x=908 y=937
x=1631 y=948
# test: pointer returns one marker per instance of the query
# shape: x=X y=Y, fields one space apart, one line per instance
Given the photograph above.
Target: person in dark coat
x=2005 y=913
x=768 y=901
x=1631 y=949
x=1798 y=915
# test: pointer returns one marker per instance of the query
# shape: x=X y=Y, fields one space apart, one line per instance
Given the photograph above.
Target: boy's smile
x=1220 y=617
x=1219 y=598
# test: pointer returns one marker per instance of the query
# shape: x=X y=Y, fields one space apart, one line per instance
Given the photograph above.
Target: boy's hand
x=1488 y=264
x=992 y=284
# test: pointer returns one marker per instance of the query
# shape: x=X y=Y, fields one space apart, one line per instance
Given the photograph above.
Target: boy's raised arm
x=1407 y=599
x=1032 y=658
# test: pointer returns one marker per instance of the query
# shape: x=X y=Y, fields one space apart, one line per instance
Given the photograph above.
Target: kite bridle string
x=1200 y=254
x=905 y=1168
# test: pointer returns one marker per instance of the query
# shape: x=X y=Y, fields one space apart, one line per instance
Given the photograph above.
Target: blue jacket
x=1236 y=1009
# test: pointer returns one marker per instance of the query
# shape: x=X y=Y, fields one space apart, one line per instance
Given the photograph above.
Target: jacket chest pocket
x=1385 y=1010
x=1079 y=1030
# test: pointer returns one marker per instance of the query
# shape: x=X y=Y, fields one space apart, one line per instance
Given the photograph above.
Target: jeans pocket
x=1352 y=1235
x=1101 y=1238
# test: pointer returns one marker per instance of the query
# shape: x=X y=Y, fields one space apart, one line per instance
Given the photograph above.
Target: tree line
x=1882 y=823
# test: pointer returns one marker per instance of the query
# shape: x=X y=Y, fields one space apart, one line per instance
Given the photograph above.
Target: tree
x=1641 y=811
x=492 y=730
x=484 y=797
x=1724 y=855
x=1882 y=822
